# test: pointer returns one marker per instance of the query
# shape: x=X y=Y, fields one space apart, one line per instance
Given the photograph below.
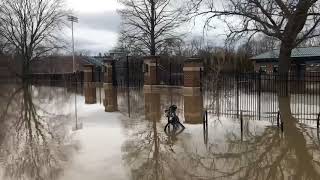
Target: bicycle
x=173 y=119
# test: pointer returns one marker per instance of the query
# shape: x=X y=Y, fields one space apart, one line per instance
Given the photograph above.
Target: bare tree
x=30 y=27
x=149 y=23
x=260 y=45
x=290 y=21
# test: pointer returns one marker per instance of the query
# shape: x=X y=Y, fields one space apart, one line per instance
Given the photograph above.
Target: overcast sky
x=97 y=30
x=98 y=27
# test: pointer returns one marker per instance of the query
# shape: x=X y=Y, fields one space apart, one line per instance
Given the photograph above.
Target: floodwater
x=60 y=133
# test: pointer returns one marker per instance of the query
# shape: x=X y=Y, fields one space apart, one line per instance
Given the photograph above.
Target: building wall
x=56 y=65
x=10 y=66
x=266 y=67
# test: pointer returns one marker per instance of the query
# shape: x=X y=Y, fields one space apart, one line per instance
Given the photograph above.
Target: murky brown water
x=52 y=133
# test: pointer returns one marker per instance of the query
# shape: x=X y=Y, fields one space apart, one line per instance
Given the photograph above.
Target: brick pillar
x=111 y=99
x=88 y=69
x=191 y=69
x=152 y=106
x=193 y=108
x=90 y=93
x=89 y=86
x=150 y=71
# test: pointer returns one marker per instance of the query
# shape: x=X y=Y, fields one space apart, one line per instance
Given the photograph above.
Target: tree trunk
x=284 y=68
x=294 y=26
x=283 y=82
x=152 y=32
x=26 y=68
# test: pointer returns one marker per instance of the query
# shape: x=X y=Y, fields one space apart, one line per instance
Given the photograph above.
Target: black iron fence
x=170 y=71
x=128 y=72
x=256 y=94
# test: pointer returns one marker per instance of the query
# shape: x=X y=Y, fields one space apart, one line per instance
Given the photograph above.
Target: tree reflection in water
x=148 y=149
x=269 y=154
x=33 y=144
x=148 y=153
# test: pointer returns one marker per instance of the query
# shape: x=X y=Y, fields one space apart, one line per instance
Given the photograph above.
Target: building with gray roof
x=303 y=59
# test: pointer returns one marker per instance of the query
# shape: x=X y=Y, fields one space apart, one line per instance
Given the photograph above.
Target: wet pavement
x=99 y=133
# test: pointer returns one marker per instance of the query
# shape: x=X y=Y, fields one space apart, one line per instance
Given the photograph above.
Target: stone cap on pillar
x=193 y=62
x=108 y=60
x=88 y=67
x=150 y=59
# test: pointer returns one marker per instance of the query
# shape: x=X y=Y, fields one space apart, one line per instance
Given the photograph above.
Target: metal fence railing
x=256 y=94
x=170 y=71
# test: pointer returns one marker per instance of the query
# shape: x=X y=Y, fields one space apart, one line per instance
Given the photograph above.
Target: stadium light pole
x=73 y=19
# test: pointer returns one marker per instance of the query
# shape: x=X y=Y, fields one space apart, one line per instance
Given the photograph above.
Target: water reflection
x=152 y=105
x=265 y=156
x=90 y=93
x=261 y=152
x=111 y=100
x=32 y=139
x=35 y=139
x=193 y=107
x=145 y=152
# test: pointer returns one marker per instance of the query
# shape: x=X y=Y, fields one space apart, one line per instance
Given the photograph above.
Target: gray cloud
x=95 y=41
x=85 y=42
x=96 y=31
x=106 y=21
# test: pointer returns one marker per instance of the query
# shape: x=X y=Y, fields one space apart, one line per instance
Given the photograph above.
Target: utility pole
x=73 y=19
